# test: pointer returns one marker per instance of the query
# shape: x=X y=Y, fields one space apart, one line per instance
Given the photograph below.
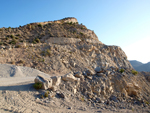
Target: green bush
x=134 y=72
x=13 y=42
x=37 y=85
x=1 y=43
x=32 y=27
x=81 y=33
x=40 y=25
x=21 y=61
x=147 y=102
x=121 y=70
x=18 y=46
x=12 y=36
x=42 y=96
x=70 y=23
x=46 y=94
x=48 y=52
x=34 y=42
x=37 y=40
x=7 y=38
x=18 y=35
x=78 y=36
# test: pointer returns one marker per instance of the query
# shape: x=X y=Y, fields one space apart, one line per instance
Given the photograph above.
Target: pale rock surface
x=56 y=80
x=46 y=82
x=70 y=77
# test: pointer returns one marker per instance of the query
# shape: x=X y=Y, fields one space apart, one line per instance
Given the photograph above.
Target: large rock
x=46 y=82
x=132 y=89
x=70 y=77
x=56 y=80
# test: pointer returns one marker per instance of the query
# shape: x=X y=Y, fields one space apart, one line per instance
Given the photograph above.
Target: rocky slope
x=100 y=75
x=58 y=47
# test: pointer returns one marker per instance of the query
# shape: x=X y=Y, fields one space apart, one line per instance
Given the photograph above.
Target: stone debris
x=99 y=87
x=70 y=77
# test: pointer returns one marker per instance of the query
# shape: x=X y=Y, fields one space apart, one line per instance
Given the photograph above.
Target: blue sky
x=124 y=23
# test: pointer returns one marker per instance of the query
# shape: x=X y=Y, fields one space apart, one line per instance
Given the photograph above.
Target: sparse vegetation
x=81 y=33
x=78 y=36
x=1 y=43
x=21 y=61
x=41 y=96
x=37 y=40
x=46 y=94
x=14 y=41
x=37 y=85
x=7 y=38
x=121 y=70
x=18 y=46
x=147 y=102
x=16 y=38
x=34 y=42
x=32 y=27
x=134 y=72
x=82 y=99
x=47 y=52
x=13 y=62
x=18 y=35
x=40 y=25
x=41 y=60
x=12 y=36
x=70 y=52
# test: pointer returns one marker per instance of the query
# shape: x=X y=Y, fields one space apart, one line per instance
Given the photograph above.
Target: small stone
x=108 y=73
x=114 y=98
x=79 y=75
x=69 y=77
x=60 y=95
x=53 y=88
x=98 y=100
x=98 y=69
x=101 y=74
x=89 y=72
x=69 y=107
x=89 y=77
x=47 y=101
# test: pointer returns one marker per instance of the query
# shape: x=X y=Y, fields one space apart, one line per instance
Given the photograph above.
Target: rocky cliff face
x=58 y=46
